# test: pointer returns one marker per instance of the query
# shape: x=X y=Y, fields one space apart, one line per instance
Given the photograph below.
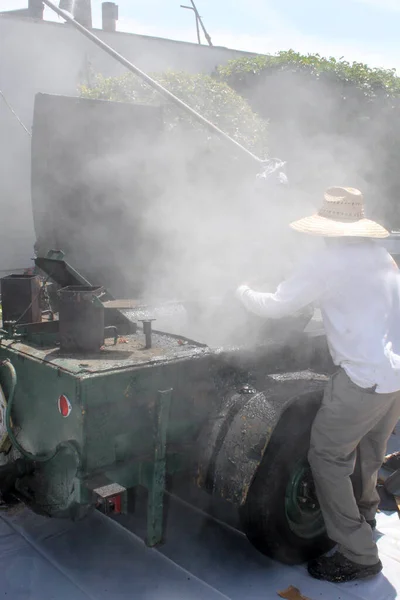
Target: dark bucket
x=81 y=319
x=20 y=295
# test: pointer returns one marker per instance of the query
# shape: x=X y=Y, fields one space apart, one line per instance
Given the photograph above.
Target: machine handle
x=113 y=333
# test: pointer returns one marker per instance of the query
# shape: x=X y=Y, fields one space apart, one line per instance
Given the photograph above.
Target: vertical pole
x=206 y=34
x=156 y=487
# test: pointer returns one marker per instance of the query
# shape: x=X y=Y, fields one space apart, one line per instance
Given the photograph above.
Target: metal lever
x=147 y=331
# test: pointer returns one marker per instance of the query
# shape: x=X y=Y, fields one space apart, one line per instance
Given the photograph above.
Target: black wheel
x=281 y=516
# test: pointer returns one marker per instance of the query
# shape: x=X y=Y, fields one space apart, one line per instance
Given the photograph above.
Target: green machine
x=96 y=404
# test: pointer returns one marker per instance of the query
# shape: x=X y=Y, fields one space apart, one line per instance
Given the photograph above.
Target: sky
x=360 y=30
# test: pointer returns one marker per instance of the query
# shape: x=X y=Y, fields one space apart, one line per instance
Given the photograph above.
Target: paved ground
x=203 y=558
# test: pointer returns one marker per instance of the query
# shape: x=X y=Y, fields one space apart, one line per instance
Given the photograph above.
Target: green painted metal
x=156 y=486
x=121 y=402
x=139 y=415
x=301 y=506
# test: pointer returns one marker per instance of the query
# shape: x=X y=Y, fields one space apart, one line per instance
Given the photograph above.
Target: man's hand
x=241 y=290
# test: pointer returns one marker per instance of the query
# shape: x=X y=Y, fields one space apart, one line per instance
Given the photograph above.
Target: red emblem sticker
x=64 y=406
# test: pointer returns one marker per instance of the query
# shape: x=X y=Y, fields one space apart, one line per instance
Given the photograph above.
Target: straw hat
x=341 y=215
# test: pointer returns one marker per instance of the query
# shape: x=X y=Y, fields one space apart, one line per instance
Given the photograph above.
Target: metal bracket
x=109 y=494
x=109 y=491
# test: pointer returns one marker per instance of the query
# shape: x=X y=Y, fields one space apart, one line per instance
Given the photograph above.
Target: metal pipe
x=147 y=330
x=109 y=11
x=13 y=383
x=151 y=82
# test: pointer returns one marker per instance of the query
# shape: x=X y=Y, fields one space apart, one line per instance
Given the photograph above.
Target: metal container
x=81 y=319
x=20 y=298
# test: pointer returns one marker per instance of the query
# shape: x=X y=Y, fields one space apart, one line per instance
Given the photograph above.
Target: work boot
x=339 y=569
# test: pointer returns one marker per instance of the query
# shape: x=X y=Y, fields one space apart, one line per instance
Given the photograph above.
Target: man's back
x=356 y=283
x=360 y=308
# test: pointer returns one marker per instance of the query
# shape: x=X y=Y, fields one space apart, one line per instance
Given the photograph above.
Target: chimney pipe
x=109 y=16
x=83 y=13
x=35 y=9
x=67 y=5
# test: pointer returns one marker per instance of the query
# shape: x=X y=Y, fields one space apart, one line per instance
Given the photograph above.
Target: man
x=355 y=282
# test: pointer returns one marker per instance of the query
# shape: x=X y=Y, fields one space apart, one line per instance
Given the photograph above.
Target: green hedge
x=370 y=82
x=293 y=101
x=322 y=106
x=214 y=99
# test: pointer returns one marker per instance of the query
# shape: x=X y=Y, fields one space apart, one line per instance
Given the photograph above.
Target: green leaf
x=213 y=99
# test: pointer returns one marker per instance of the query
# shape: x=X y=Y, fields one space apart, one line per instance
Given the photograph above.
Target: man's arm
x=306 y=286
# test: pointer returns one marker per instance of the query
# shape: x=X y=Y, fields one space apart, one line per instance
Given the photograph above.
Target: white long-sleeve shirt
x=357 y=288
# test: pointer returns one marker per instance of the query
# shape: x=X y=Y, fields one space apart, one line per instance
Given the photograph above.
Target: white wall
x=37 y=56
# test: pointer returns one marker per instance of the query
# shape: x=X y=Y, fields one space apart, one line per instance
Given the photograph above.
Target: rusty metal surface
x=234 y=441
x=130 y=351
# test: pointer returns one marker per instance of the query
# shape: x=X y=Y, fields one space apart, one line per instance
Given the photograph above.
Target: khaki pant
x=351 y=421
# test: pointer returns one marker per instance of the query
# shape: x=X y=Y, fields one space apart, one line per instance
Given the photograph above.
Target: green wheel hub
x=301 y=505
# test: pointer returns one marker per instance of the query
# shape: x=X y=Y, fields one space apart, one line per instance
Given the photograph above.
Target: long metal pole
x=197 y=28
x=151 y=82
